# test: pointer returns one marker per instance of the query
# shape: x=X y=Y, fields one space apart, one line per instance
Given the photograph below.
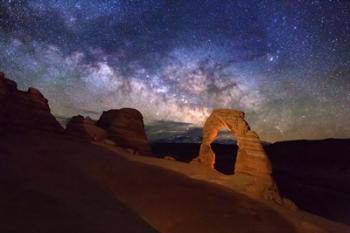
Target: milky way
x=285 y=63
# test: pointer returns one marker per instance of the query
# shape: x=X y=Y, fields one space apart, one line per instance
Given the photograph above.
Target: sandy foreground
x=56 y=183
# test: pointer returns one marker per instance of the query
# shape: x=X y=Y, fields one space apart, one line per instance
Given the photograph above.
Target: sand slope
x=56 y=183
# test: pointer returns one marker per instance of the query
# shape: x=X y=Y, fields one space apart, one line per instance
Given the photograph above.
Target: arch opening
x=225 y=149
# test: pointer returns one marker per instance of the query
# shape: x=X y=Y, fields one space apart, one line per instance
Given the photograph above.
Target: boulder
x=126 y=128
x=85 y=128
x=24 y=110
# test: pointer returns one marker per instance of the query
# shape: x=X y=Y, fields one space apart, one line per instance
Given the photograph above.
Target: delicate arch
x=251 y=157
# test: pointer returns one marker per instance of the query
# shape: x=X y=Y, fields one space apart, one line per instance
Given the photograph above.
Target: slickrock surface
x=314 y=174
x=68 y=185
x=126 y=128
x=301 y=221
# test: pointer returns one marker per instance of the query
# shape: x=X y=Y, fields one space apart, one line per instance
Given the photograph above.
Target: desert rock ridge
x=55 y=182
x=24 y=110
x=122 y=127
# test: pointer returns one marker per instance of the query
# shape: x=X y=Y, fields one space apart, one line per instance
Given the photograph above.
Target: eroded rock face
x=251 y=157
x=252 y=162
x=24 y=110
x=85 y=127
x=126 y=128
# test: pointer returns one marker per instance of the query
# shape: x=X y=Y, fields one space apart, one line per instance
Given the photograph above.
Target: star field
x=285 y=63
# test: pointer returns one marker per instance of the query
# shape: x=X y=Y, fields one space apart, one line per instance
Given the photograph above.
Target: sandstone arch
x=251 y=157
x=252 y=172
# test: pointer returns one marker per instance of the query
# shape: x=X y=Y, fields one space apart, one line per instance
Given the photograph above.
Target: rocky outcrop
x=29 y=110
x=118 y=127
x=251 y=157
x=126 y=128
x=252 y=162
x=85 y=128
x=24 y=109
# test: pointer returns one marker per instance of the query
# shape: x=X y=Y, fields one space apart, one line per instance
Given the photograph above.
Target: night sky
x=286 y=63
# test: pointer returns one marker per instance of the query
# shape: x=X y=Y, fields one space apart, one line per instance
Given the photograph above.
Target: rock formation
x=126 y=128
x=252 y=162
x=29 y=110
x=24 y=110
x=85 y=128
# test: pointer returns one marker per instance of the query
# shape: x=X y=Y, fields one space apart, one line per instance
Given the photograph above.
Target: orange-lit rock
x=252 y=163
x=126 y=128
